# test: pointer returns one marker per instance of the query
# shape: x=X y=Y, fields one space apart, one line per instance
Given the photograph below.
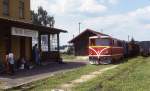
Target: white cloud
x=92 y=6
x=141 y=13
x=69 y=6
x=64 y=6
x=36 y=3
x=147 y=27
x=122 y=25
x=114 y=2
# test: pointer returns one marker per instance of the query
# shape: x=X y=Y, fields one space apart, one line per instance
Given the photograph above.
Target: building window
x=53 y=42
x=21 y=8
x=34 y=40
x=44 y=43
x=6 y=7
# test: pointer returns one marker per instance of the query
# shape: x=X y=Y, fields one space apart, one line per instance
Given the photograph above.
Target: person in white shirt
x=11 y=62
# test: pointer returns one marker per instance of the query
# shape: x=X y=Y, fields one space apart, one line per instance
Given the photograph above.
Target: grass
x=67 y=57
x=55 y=81
x=133 y=75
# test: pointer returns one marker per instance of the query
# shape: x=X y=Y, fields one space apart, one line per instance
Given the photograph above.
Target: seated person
x=24 y=64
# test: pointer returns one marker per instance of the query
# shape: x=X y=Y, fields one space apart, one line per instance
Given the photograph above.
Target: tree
x=132 y=41
x=133 y=48
x=42 y=18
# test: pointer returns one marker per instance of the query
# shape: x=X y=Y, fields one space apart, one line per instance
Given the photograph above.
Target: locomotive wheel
x=107 y=61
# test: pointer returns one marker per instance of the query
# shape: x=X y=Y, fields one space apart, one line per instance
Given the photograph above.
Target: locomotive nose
x=106 y=52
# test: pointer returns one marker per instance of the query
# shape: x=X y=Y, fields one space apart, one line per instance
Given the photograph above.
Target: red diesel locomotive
x=104 y=49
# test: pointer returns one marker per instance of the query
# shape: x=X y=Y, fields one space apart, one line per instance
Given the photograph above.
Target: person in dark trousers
x=36 y=54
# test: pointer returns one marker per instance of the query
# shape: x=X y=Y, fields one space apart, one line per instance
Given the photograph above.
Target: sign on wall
x=24 y=32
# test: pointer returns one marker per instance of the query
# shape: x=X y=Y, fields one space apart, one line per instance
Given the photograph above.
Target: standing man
x=36 y=54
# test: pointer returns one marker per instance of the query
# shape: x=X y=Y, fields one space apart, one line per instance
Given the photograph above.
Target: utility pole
x=128 y=38
x=101 y=30
x=79 y=27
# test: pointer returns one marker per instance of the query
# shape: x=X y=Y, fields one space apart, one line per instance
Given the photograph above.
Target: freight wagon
x=144 y=48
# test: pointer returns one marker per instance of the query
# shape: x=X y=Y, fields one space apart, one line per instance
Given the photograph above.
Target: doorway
x=2 y=49
x=26 y=48
x=22 y=47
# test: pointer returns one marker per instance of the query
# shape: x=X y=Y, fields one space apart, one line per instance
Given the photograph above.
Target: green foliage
x=42 y=18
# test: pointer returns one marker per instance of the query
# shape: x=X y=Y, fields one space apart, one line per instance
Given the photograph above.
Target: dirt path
x=83 y=78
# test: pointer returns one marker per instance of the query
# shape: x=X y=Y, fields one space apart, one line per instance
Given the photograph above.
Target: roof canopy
x=20 y=24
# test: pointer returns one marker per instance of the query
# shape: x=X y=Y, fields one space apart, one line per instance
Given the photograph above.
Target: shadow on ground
x=51 y=67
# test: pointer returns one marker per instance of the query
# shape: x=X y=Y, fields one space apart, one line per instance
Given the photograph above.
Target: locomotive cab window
x=99 y=42
x=102 y=42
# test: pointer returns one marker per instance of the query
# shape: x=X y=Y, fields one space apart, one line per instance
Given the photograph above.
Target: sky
x=118 y=18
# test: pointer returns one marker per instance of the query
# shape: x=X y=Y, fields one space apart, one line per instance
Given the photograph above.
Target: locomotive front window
x=102 y=42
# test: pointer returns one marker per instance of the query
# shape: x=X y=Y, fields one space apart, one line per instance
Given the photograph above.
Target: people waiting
x=11 y=62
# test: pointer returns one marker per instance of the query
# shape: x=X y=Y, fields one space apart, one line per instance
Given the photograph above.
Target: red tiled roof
x=90 y=31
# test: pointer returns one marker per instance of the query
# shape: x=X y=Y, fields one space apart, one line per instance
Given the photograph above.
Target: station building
x=19 y=35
